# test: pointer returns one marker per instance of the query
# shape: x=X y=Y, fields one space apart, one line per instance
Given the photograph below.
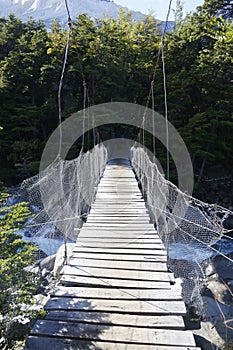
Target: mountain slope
x=48 y=9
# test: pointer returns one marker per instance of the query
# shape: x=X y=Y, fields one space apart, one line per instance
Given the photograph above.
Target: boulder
x=213 y=331
x=60 y=257
x=219 y=289
x=223 y=267
x=48 y=263
x=228 y=222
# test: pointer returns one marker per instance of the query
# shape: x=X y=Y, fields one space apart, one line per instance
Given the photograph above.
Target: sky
x=158 y=8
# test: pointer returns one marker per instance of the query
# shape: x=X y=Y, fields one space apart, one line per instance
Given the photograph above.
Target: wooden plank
x=133 y=265
x=122 y=257
x=121 y=231
x=112 y=282
x=122 y=225
x=129 y=244
x=118 y=273
x=120 y=198
x=39 y=343
x=120 y=220
x=151 y=321
x=114 y=334
x=118 y=190
x=113 y=215
x=109 y=293
x=127 y=251
x=114 y=207
x=124 y=240
x=117 y=231
x=117 y=236
x=152 y=307
x=117 y=201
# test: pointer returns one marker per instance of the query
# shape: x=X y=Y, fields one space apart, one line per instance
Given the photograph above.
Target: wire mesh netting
x=189 y=227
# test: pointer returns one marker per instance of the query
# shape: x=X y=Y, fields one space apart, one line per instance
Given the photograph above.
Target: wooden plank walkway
x=116 y=292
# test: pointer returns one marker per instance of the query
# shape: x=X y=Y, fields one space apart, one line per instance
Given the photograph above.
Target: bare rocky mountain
x=48 y=9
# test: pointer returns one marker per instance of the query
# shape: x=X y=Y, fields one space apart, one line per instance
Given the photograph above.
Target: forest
x=115 y=59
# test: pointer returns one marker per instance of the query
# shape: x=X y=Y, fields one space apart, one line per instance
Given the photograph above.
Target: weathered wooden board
x=152 y=307
x=114 y=334
x=124 y=240
x=110 y=293
x=133 y=265
x=112 y=282
x=116 y=231
x=39 y=343
x=141 y=320
x=130 y=244
x=121 y=225
x=97 y=209
x=119 y=220
x=127 y=250
x=117 y=236
x=117 y=273
x=127 y=243
x=122 y=257
x=124 y=203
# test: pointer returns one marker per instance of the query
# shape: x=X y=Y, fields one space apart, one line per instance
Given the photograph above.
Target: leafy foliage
x=116 y=58
x=16 y=283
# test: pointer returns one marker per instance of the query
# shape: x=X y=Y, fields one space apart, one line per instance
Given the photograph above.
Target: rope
x=84 y=113
x=61 y=82
x=153 y=117
x=166 y=110
x=60 y=108
x=151 y=94
x=68 y=12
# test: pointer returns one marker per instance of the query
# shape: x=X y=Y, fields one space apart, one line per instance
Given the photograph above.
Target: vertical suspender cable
x=153 y=116
x=165 y=89
x=151 y=93
x=166 y=112
x=60 y=114
x=84 y=113
x=61 y=85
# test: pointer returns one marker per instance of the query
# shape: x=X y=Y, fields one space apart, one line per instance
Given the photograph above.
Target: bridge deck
x=116 y=292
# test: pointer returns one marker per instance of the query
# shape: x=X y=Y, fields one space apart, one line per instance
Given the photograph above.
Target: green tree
x=16 y=283
x=199 y=66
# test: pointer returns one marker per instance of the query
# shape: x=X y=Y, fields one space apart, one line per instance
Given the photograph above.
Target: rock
x=223 y=267
x=219 y=290
x=230 y=286
x=27 y=234
x=229 y=233
x=48 y=263
x=60 y=256
x=204 y=344
x=32 y=269
x=213 y=330
x=39 y=301
x=210 y=269
x=44 y=273
x=216 y=309
x=228 y=222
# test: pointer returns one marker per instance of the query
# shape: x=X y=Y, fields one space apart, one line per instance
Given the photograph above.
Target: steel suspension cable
x=151 y=93
x=69 y=22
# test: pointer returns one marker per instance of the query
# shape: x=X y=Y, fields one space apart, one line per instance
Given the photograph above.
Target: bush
x=16 y=283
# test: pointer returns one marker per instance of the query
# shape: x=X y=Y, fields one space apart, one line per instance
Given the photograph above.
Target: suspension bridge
x=116 y=291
